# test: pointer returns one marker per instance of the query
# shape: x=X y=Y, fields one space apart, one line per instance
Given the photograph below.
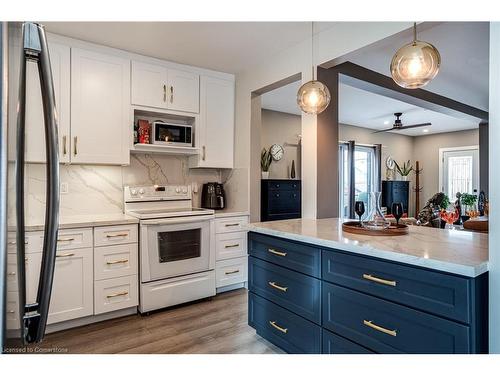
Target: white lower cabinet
x=88 y=279
x=231 y=252
x=115 y=294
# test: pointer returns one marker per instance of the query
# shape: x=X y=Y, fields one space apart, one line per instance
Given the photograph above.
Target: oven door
x=175 y=247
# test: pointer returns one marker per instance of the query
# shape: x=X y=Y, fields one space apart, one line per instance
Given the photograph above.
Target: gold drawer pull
x=279 y=287
x=232 y=225
x=15 y=242
x=117 y=261
x=65 y=255
x=379 y=280
x=391 y=332
x=65 y=239
x=234 y=245
x=232 y=272
x=11 y=312
x=274 y=325
x=119 y=294
x=12 y=273
x=276 y=252
x=117 y=235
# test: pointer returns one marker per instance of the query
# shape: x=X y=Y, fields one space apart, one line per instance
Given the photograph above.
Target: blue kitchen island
x=314 y=289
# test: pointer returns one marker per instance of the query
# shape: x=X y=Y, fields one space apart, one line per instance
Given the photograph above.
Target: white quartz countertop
x=80 y=221
x=454 y=251
x=229 y=213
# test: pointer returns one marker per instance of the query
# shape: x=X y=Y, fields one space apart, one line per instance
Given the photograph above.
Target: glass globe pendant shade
x=313 y=97
x=415 y=64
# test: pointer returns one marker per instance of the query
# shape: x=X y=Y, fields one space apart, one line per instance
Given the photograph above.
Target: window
x=459 y=170
x=364 y=177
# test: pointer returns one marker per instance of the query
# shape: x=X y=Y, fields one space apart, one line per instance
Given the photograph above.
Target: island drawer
x=283 y=328
x=435 y=292
x=289 y=289
x=289 y=254
x=386 y=327
x=334 y=344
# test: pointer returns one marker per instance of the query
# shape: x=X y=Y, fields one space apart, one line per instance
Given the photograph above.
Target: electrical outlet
x=64 y=188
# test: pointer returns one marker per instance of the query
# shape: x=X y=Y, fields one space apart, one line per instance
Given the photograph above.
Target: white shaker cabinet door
x=100 y=108
x=183 y=91
x=216 y=127
x=35 y=127
x=149 y=85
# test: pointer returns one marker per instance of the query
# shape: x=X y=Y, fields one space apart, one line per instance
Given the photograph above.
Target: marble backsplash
x=96 y=189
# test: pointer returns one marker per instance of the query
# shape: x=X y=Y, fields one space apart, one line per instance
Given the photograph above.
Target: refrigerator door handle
x=35 y=48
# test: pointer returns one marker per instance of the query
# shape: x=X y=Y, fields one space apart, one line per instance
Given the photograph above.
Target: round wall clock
x=389 y=163
x=277 y=152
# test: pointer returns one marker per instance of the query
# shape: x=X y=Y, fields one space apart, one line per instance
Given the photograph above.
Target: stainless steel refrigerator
x=23 y=323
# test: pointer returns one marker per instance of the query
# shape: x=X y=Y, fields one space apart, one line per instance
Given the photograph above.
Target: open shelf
x=161 y=149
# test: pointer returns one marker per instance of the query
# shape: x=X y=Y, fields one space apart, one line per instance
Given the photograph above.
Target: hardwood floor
x=218 y=326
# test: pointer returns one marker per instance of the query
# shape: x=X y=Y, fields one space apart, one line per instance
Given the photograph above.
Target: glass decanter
x=375 y=219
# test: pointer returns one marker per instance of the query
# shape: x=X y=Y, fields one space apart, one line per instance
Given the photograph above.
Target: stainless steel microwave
x=172 y=134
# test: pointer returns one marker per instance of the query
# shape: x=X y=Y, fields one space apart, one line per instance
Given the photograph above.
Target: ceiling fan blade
x=385 y=130
x=415 y=126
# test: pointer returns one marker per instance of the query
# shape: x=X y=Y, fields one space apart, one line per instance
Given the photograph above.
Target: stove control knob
x=184 y=189
x=133 y=192
x=177 y=190
x=141 y=191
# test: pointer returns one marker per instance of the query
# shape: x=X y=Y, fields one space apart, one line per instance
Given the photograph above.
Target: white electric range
x=176 y=248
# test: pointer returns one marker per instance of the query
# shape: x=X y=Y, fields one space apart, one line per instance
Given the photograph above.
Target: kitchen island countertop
x=454 y=251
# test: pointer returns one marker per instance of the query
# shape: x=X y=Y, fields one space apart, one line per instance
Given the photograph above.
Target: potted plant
x=468 y=201
x=265 y=162
x=445 y=203
x=404 y=170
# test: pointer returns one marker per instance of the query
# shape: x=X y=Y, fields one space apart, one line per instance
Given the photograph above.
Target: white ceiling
x=224 y=46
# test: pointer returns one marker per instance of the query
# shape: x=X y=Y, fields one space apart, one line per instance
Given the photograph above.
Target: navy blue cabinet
x=309 y=299
x=280 y=200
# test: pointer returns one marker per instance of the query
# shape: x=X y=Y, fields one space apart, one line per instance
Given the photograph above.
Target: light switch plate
x=64 y=188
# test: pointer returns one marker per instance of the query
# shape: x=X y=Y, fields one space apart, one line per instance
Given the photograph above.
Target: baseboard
x=90 y=320
x=227 y=288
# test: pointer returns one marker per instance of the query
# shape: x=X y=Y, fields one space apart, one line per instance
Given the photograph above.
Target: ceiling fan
x=398 y=125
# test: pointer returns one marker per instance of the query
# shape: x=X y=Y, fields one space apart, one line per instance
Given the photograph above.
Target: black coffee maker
x=213 y=196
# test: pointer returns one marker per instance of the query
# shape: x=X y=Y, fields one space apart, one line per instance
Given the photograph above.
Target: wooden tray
x=355 y=228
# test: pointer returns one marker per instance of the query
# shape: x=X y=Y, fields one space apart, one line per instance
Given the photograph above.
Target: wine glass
x=450 y=216
x=397 y=211
x=359 y=208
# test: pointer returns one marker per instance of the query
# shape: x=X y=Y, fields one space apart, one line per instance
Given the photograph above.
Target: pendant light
x=415 y=64
x=313 y=97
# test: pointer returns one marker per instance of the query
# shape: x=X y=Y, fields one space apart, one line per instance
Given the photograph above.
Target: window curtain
x=351 y=145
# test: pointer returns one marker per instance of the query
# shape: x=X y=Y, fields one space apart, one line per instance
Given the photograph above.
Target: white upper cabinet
x=157 y=86
x=35 y=133
x=100 y=108
x=216 y=127
x=183 y=91
x=149 y=85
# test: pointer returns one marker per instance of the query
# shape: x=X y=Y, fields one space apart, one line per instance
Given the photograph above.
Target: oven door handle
x=178 y=220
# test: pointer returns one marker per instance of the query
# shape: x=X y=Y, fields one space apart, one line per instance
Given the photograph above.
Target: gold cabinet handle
x=279 y=287
x=12 y=273
x=232 y=272
x=390 y=332
x=75 y=146
x=65 y=239
x=379 y=280
x=65 y=255
x=117 y=261
x=204 y=155
x=117 y=235
x=15 y=242
x=276 y=252
x=164 y=93
x=275 y=326
x=11 y=311
x=234 y=245
x=232 y=225
x=65 y=151
x=124 y=293
x=171 y=94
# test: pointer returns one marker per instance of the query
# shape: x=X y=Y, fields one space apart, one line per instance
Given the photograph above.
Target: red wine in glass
x=397 y=211
x=359 y=208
